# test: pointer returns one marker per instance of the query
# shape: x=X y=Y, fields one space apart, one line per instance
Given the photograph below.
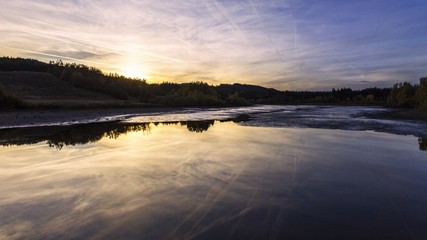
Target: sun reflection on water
x=176 y=181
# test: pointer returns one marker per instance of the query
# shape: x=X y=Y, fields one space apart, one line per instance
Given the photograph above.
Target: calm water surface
x=211 y=180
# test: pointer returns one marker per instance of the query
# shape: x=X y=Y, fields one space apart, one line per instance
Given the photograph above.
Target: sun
x=133 y=71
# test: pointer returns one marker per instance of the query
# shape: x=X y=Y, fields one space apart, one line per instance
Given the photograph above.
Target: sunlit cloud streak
x=286 y=44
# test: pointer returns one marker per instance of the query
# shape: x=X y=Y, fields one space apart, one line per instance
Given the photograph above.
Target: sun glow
x=133 y=71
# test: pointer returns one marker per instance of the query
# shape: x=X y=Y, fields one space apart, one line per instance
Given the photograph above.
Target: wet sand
x=22 y=118
x=29 y=118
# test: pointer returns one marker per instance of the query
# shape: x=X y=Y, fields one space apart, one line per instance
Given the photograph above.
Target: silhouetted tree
x=421 y=94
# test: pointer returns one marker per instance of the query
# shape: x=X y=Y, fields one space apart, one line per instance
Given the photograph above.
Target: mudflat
x=22 y=118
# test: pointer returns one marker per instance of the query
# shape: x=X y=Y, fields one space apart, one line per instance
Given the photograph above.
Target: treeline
x=189 y=94
x=409 y=96
x=368 y=96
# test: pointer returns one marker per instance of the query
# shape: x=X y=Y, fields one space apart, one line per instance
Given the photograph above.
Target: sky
x=284 y=44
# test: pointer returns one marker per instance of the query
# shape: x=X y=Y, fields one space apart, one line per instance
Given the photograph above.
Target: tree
x=421 y=94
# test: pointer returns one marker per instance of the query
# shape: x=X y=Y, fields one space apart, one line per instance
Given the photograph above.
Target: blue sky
x=298 y=45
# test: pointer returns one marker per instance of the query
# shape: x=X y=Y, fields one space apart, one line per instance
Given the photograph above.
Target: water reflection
x=231 y=182
x=60 y=136
x=192 y=126
x=422 y=141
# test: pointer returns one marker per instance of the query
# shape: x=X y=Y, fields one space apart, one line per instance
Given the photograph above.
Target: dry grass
x=45 y=90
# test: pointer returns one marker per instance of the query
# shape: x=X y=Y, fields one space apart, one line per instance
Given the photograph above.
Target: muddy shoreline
x=29 y=118
x=51 y=117
x=399 y=114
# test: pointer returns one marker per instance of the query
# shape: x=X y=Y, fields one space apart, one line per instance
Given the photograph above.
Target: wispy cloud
x=284 y=44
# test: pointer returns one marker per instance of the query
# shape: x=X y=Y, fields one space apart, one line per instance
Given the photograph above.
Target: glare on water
x=162 y=181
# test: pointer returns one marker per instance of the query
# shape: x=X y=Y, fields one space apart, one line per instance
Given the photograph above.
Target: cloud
x=73 y=54
x=285 y=44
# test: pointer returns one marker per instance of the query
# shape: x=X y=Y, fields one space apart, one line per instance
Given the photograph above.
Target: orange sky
x=283 y=44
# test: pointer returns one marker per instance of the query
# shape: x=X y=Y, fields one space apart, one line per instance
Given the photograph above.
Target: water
x=212 y=179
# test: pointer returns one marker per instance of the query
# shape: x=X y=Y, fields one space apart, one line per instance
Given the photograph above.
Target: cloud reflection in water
x=235 y=181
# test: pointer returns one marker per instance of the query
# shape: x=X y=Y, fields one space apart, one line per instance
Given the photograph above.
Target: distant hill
x=32 y=83
x=248 y=92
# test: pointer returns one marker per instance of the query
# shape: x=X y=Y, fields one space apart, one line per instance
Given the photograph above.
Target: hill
x=45 y=90
x=31 y=83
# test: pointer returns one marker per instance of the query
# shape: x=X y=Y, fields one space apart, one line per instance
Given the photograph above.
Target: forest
x=406 y=95
x=202 y=94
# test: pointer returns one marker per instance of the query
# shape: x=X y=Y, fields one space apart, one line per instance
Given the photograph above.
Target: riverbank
x=51 y=117
x=399 y=114
x=29 y=118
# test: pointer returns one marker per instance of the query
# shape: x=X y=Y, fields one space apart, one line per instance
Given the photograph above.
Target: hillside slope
x=44 y=89
x=55 y=83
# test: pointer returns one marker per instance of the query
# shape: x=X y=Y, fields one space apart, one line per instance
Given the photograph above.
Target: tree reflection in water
x=422 y=141
x=60 y=136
